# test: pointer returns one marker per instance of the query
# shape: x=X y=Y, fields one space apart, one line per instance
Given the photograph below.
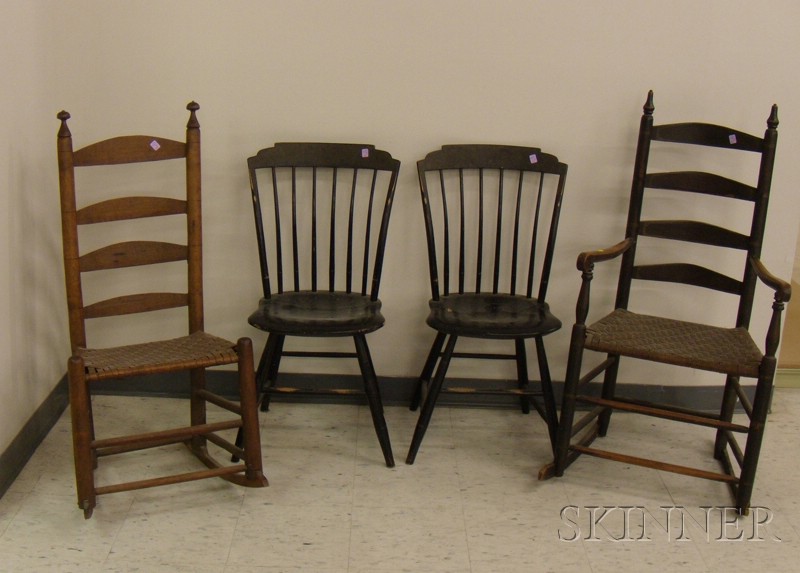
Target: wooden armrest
x=586 y=260
x=783 y=290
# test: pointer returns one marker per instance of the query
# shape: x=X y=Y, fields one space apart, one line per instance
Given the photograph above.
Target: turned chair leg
x=522 y=374
x=373 y=396
x=249 y=405
x=427 y=370
x=429 y=403
x=82 y=433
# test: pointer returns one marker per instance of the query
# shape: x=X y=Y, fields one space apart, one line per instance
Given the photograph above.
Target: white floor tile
x=471 y=503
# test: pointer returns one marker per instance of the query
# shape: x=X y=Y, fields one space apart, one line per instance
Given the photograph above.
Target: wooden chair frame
x=510 y=243
x=192 y=353
x=331 y=290
x=733 y=354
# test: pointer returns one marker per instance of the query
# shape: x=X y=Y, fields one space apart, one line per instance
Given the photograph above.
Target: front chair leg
x=250 y=429
x=82 y=434
x=374 y=397
x=264 y=376
x=430 y=401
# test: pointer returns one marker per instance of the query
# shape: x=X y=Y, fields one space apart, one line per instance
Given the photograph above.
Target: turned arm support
x=783 y=292
x=586 y=261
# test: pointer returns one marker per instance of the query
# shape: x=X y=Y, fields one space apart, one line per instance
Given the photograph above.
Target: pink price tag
x=732 y=138
x=155 y=145
x=533 y=158
x=365 y=152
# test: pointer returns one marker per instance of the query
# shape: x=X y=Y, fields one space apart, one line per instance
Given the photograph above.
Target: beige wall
x=406 y=75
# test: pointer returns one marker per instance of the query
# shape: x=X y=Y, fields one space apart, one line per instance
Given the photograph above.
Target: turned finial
x=648 y=105
x=773 y=122
x=193 y=106
x=63 y=131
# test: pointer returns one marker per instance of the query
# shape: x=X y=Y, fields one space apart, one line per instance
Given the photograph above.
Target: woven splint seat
x=725 y=350
x=197 y=350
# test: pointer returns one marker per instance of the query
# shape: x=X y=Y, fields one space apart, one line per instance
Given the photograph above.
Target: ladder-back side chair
x=491 y=219
x=193 y=352
x=322 y=216
x=728 y=234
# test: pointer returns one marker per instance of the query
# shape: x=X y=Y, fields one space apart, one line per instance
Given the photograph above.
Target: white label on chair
x=155 y=145
x=365 y=152
x=533 y=158
x=732 y=138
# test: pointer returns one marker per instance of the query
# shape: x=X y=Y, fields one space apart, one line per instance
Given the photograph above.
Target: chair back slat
x=126 y=208
x=341 y=197
x=134 y=303
x=129 y=149
x=688 y=274
x=486 y=218
x=707 y=134
x=694 y=232
x=733 y=218
x=126 y=254
x=703 y=183
x=133 y=254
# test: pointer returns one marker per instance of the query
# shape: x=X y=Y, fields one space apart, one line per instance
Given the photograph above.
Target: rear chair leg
x=551 y=416
x=427 y=370
x=522 y=374
x=198 y=408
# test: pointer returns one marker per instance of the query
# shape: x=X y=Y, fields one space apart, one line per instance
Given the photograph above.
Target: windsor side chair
x=322 y=217
x=491 y=218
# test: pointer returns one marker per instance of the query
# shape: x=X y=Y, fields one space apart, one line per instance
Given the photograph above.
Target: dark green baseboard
x=394 y=391
x=17 y=454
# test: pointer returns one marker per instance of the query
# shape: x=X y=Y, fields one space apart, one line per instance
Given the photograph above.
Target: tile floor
x=471 y=503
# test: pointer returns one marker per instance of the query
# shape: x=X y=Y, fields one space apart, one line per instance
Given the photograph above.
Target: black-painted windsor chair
x=491 y=218
x=322 y=216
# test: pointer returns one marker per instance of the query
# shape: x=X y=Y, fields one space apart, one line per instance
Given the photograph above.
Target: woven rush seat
x=725 y=350
x=197 y=350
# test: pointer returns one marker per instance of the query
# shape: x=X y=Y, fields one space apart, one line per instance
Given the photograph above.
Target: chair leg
x=249 y=406
x=268 y=367
x=522 y=374
x=433 y=394
x=729 y=399
x=264 y=376
x=198 y=407
x=609 y=388
x=564 y=433
x=548 y=397
x=374 y=397
x=427 y=370
x=755 y=435
x=82 y=433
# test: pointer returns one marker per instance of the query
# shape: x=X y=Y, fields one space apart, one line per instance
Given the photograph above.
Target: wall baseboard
x=17 y=454
x=394 y=391
x=787 y=378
